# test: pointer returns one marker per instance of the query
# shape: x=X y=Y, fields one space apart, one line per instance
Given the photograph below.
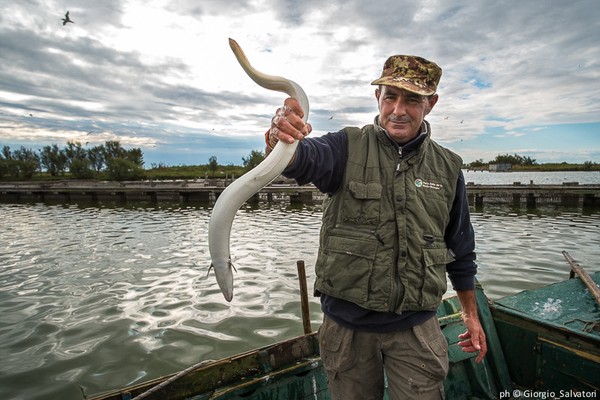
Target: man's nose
x=399 y=107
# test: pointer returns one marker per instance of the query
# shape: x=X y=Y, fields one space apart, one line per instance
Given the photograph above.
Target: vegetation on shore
x=111 y=161
x=520 y=163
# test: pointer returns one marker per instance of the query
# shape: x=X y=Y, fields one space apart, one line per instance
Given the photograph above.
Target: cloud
x=161 y=74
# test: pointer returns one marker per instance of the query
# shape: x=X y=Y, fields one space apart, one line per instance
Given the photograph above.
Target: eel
x=234 y=195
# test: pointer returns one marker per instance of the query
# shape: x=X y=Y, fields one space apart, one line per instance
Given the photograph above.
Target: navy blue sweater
x=322 y=160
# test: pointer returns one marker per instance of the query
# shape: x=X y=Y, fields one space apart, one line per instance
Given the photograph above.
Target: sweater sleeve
x=321 y=161
x=460 y=239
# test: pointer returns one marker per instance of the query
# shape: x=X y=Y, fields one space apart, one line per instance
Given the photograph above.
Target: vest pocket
x=363 y=205
x=347 y=267
x=434 y=278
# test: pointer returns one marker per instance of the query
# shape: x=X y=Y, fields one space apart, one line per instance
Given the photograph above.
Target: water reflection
x=107 y=296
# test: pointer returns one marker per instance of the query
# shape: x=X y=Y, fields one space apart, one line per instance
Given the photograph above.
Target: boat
x=542 y=344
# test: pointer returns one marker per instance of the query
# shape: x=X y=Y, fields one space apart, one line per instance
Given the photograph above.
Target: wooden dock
x=193 y=191
x=207 y=191
x=530 y=195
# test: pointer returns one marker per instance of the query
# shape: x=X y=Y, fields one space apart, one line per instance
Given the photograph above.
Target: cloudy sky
x=519 y=76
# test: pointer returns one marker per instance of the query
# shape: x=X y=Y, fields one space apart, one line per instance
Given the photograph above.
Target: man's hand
x=473 y=343
x=473 y=340
x=287 y=124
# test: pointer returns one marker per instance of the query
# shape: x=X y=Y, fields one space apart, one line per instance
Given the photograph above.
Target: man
x=396 y=219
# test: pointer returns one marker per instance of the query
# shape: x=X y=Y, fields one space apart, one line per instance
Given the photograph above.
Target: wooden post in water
x=478 y=200
x=304 y=297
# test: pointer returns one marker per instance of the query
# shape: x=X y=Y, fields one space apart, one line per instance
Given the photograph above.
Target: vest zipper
x=394 y=293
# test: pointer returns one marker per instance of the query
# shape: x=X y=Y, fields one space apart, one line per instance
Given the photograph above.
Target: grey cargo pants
x=415 y=362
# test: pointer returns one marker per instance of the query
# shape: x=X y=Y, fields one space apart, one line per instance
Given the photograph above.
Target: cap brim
x=403 y=84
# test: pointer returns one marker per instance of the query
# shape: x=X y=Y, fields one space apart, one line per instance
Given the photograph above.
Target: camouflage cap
x=411 y=73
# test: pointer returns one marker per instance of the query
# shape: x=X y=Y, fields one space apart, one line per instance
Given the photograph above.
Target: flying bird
x=66 y=19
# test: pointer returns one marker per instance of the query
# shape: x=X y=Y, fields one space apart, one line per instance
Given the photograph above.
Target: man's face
x=401 y=112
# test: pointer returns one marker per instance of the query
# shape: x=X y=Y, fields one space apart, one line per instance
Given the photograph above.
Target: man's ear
x=377 y=94
x=431 y=101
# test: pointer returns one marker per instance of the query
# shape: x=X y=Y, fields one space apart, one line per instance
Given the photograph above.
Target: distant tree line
x=213 y=169
x=514 y=159
x=255 y=158
x=109 y=159
x=522 y=161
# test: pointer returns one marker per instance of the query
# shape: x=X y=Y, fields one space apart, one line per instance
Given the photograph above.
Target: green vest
x=382 y=238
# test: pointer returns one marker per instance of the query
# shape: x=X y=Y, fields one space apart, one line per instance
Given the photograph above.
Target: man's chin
x=401 y=136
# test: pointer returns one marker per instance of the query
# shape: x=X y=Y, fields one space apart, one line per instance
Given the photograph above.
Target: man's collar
x=413 y=144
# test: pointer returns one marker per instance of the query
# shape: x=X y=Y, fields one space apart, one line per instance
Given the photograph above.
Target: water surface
x=98 y=297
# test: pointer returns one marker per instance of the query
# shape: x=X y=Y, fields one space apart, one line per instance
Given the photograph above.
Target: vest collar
x=409 y=147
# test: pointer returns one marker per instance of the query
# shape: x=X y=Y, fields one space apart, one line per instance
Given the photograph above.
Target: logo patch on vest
x=420 y=183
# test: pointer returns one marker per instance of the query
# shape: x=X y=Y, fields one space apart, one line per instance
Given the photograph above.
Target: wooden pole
x=304 y=297
x=584 y=276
